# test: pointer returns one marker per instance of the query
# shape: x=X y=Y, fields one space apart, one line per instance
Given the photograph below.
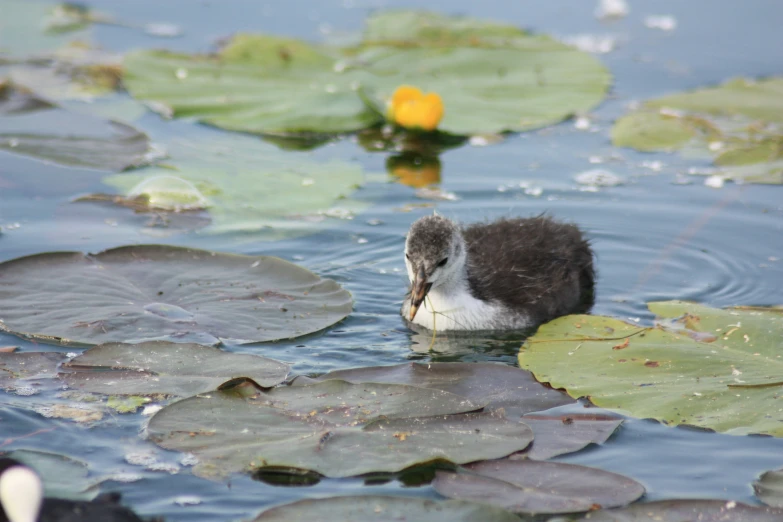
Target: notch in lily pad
x=160 y=292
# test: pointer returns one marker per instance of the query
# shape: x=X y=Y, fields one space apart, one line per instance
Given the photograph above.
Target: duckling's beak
x=419 y=291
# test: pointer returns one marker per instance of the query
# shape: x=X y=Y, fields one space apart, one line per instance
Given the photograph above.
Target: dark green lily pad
x=370 y=508
x=738 y=123
x=390 y=426
x=560 y=434
x=35 y=127
x=687 y=510
x=492 y=78
x=27 y=373
x=159 y=292
x=718 y=369
x=164 y=368
x=498 y=385
x=535 y=488
x=63 y=477
x=769 y=488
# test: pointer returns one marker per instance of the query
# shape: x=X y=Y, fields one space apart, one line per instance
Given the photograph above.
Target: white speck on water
x=635 y=319
x=362 y=240
x=588 y=188
x=187 y=500
x=714 y=181
x=697 y=394
x=715 y=146
x=181 y=73
x=773 y=259
x=534 y=191
x=502 y=188
x=701 y=171
x=599 y=178
x=151 y=409
x=125 y=477
x=255 y=264
x=436 y=193
x=25 y=391
x=582 y=123
x=71 y=354
x=731 y=504
x=307 y=182
x=188 y=459
x=592 y=43
x=13 y=142
x=679 y=179
x=655 y=166
x=611 y=9
x=338 y=213
x=478 y=141
x=298 y=258
x=374 y=222
x=163 y=30
x=662 y=22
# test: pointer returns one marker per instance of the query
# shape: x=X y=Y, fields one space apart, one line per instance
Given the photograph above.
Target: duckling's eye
x=407 y=257
x=443 y=261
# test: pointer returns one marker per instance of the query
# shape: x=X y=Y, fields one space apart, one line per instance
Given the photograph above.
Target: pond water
x=660 y=235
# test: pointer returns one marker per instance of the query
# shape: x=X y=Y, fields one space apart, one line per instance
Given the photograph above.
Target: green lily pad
x=567 y=433
x=63 y=477
x=35 y=127
x=738 y=123
x=391 y=426
x=686 y=510
x=159 y=292
x=372 y=508
x=535 y=488
x=769 y=488
x=498 y=385
x=245 y=184
x=23 y=31
x=163 y=368
x=492 y=78
x=27 y=373
x=718 y=369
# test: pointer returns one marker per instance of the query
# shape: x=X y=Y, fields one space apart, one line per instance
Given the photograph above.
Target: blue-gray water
x=654 y=237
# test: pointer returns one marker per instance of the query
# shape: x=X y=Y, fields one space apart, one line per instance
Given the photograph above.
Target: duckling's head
x=21 y=491
x=435 y=254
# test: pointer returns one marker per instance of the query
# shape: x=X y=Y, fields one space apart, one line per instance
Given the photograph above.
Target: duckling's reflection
x=461 y=346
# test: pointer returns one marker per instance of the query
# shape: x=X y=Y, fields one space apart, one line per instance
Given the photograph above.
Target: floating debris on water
x=436 y=194
x=582 y=123
x=655 y=166
x=607 y=9
x=482 y=140
x=714 y=181
x=599 y=178
x=187 y=500
x=592 y=43
x=662 y=22
x=163 y=30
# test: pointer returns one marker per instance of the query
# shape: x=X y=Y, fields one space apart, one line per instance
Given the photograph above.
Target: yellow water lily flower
x=412 y=109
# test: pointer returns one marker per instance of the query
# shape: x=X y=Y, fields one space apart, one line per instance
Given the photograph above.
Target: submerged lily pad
x=35 y=127
x=738 y=123
x=318 y=427
x=63 y=477
x=245 y=184
x=769 y=488
x=372 y=508
x=682 y=510
x=491 y=77
x=718 y=369
x=164 y=368
x=26 y=373
x=530 y=487
x=159 y=292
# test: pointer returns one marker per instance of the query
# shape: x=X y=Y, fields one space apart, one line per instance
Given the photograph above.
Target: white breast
x=459 y=310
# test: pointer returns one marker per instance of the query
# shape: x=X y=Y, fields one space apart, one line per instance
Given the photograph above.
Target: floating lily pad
x=316 y=427
x=769 y=488
x=370 y=508
x=23 y=29
x=718 y=369
x=738 y=123
x=164 y=368
x=530 y=487
x=491 y=77
x=35 y=127
x=159 y=292
x=26 y=373
x=498 y=385
x=686 y=510
x=63 y=477
x=245 y=184
x=560 y=434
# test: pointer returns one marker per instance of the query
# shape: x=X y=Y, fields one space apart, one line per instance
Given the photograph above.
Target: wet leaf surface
x=530 y=487
x=32 y=126
x=560 y=434
x=385 y=427
x=377 y=508
x=164 y=368
x=158 y=292
x=718 y=369
x=63 y=477
x=687 y=510
x=251 y=84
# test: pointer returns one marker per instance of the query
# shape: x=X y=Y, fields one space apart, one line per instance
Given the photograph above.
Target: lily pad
x=245 y=184
x=738 y=123
x=391 y=426
x=498 y=385
x=26 y=373
x=23 y=31
x=530 y=487
x=63 y=477
x=163 y=368
x=371 y=508
x=32 y=126
x=159 y=292
x=492 y=78
x=682 y=510
x=567 y=433
x=718 y=369
x=769 y=488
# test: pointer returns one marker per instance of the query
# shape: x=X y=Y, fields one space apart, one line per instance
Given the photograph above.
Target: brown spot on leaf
x=652 y=364
x=622 y=345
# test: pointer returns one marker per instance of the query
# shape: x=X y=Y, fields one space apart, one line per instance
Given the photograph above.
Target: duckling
x=22 y=500
x=506 y=275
